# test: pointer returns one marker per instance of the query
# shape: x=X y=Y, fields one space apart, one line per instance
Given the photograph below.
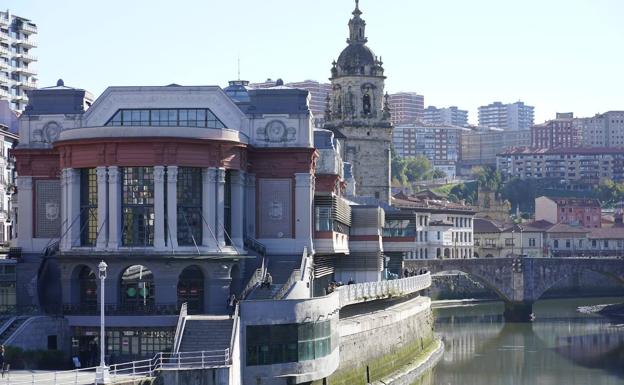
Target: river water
x=561 y=346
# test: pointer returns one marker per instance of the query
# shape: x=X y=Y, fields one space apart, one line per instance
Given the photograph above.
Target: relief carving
x=276 y=132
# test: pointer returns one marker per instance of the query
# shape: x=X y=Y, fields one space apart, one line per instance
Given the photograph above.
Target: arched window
x=137 y=288
x=191 y=289
x=87 y=289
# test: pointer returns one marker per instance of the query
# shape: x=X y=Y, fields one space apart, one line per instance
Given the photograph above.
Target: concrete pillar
x=102 y=210
x=73 y=207
x=217 y=295
x=220 y=201
x=237 y=183
x=114 y=204
x=172 y=206
x=159 y=207
x=250 y=207
x=209 y=182
x=304 y=197
x=64 y=238
x=24 y=211
x=518 y=311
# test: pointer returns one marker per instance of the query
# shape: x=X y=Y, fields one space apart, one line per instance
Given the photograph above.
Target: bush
x=35 y=359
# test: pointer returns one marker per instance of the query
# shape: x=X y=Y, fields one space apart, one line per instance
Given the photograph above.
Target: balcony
x=3 y=93
x=26 y=58
x=28 y=85
x=4 y=51
x=25 y=70
x=26 y=43
x=29 y=28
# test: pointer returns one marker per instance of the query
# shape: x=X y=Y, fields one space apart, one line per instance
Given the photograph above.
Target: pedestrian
x=2 y=364
x=351 y=281
x=231 y=304
x=406 y=273
x=268 y=281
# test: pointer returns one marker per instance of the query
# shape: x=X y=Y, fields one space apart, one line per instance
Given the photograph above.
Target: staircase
x=10 y=327
x=206 y=333
x=280 y=267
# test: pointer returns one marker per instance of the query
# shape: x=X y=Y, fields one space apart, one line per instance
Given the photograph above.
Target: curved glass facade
x=179 y=117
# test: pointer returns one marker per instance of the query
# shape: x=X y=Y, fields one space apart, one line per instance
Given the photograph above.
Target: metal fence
x=125 y=371
x=367 y=291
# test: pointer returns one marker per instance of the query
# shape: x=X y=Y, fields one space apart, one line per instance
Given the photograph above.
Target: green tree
x=398 y=167
x=418 y=168
x=609 y=192
x=438 y=174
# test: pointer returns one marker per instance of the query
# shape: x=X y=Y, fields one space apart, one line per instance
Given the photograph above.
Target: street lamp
x=101 y=372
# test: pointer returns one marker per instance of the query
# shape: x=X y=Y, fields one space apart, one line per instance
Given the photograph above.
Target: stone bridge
x=521 y=281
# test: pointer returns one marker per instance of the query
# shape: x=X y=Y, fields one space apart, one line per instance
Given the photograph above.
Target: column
x=250 y=214
x=304 y=196
x=25 y=211
x=159 y=207
x=220 y=225
x=114 y=212
x=237 y=184
x=209 y=182
x=73 y=207
x=172 y=206
x=102 y=210
x=64 y=238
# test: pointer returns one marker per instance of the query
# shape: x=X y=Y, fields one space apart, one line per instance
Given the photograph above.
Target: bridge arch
x=546 y=277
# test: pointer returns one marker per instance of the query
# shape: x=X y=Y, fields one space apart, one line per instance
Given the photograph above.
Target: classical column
x=64 y=237
x=209 y=182
x=102 y=208
x=114 y=212
x=172 y=206
x=220 y=206
x=24 y=211
x=73 y=207
x=237 y=187
x=159 y=207
x=304 y=195
x=250 y=214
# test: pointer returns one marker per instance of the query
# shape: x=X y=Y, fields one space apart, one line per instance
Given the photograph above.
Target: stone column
x=73 y=207
x=220 y=201
x=114 y=203
x=64 y=238
x=237 y=184
x=172 y=206
x=159 y=207
x=304 y=196
x=250 y=214
x=102 y=210
x=25 y=211
x=209 y=181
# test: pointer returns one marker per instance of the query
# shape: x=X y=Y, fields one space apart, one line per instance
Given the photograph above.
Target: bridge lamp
x=101 y=372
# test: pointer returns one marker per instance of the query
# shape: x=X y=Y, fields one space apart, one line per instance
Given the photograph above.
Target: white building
x=17 y=72
x=451 y=116
x=513 y=116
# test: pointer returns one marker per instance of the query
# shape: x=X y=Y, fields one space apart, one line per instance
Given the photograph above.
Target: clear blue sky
x=558 y=55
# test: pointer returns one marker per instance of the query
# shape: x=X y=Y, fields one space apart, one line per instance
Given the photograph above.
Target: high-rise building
x=17 y=72
x=318 y=95
x=602 y=130
x=406 y=107
x=556 y=133
x=452 y=116
x=513 y=116
x=480 y=145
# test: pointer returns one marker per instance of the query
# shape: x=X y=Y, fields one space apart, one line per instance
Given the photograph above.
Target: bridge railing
x=127 y=371
x=367 y=291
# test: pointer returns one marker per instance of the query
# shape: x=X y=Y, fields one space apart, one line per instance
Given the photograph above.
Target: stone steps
x=206 y=335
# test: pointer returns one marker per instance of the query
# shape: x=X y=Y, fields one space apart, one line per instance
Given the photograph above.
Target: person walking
x=2 y=364
x=232 y=304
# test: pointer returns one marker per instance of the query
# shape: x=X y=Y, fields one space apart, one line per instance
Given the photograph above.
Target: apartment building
x=452 y=116
x=512 y=116
x=602 y=130
x=406 y=107
x=557 y=133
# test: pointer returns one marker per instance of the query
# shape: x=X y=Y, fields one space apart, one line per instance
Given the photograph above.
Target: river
x=561 y=346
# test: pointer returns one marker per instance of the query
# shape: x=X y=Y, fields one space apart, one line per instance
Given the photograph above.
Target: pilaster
x=114 y=214
x=64 y=240
x=220 y=201
x=209 y=181
x=25 y=211
x=159 y=207
x=304 y=196
x=102 y=210
x=237 y=184
x=73 y=207
x=172 y=206
x=250 y=207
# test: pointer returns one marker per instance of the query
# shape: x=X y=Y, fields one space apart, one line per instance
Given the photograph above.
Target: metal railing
x=127 y=371
x=297 y=275
x=255 y=280
x=256 y=246
x=366 y=291
x=235 y=326
x=123 y=309
x=177 y=339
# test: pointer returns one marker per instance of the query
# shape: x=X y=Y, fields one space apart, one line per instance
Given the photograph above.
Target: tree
x=398 y=167
x=418 y=168
x=488 y=178
x=438 y=174
x=610 y=192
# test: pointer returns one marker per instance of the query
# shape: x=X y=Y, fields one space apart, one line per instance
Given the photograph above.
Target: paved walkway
x=43 y=377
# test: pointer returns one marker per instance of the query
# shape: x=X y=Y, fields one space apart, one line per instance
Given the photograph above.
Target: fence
x=126 y=371
x=366 y=291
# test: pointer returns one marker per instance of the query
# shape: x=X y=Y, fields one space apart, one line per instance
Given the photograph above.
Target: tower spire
x=357 y=26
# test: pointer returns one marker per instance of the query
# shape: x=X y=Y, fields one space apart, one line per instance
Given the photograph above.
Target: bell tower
x=359 y=112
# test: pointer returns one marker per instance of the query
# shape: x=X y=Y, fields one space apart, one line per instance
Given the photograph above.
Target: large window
x=182 y=117
x=138 y=206
x=399 y=228
x=137 y=288
x=275 y=344
x=88 y=207
x=189 y=193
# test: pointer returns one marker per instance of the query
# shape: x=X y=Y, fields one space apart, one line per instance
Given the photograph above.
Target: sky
x=556 y=55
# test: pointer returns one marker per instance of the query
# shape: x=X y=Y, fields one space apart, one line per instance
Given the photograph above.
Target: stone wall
x=382 y=342
x=33 y=334
x=216 y=376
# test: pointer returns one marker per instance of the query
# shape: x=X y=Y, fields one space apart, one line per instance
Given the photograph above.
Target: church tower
x=358 y=112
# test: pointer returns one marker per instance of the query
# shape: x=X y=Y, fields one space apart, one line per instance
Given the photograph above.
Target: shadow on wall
x=49 y=287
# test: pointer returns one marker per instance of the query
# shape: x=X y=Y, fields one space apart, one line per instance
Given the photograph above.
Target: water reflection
x=560 y=347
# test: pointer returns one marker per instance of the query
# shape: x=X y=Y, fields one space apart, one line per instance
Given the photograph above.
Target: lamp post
x=101 y=372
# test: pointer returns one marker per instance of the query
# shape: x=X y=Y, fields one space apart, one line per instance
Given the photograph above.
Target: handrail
x=256 y=278
x=253 y=244
x=234 y=332
x=296 y=276
x=177 y=339
x=362 y=292
x=126 y=371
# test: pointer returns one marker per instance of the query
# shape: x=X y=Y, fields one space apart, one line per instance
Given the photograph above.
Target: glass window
x=138 y=206
x=88 y=207
x=189 y=192
x=182 y=117
x=323 y=218
x=137 y=288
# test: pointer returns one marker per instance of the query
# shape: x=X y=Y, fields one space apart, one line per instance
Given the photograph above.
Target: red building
x=557 y=133
x=572 y=211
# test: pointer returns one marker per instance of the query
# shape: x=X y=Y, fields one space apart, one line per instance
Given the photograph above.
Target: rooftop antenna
x=239 y=68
